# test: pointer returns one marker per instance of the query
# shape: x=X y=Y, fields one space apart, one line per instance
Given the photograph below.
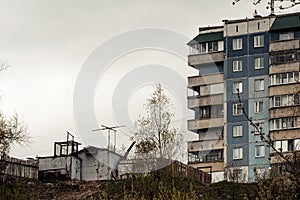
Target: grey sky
x=47 y=41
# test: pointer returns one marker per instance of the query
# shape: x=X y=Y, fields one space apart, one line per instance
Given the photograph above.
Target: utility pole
x=109 y=129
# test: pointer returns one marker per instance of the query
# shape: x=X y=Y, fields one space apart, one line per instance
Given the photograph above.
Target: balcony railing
x=198 y=59
x=284 y=45
x=205 y=145
x=205 y=101
x=205 y=123
x=205 y=80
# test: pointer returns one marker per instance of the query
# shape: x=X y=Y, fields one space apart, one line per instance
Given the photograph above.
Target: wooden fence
x=17 y=168
x=174 y=169
x=178 y=169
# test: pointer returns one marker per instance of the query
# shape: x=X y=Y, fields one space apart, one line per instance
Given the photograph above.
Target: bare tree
x=12 y=131
x=289 y=161
x=155 y=134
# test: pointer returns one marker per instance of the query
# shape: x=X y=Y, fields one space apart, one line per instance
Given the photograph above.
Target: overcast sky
x=46 y=42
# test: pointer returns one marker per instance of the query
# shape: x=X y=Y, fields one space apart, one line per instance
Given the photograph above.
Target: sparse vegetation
x=140 y=187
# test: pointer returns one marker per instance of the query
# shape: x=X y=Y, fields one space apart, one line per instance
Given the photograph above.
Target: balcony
x=288 y=111
x=285 y=67
x=285 y=134
x=216 y=166
x=205 y=80
x=205 y=101
x=198 y=59
x=284 y=45
x=194 y=125
x=276 y=90
x=205 y=145
x=275 y=158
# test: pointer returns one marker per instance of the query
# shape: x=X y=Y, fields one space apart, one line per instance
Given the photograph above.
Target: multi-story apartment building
x=246 y=85
x=284 y=88
x=252 y=65
x=206 y=98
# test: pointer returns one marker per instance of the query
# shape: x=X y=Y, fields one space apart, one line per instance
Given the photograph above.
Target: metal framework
x=69 y=147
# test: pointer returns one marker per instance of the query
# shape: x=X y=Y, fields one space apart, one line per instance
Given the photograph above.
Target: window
x=281 y=146
x=296 y=144
x=284 y=100
x=286 y=36
x=259 y=85
x=283 y=123
x=260 y=127
x=205 y=156
x=285 y=56
x=237 y=65
x=220 y=45
x=259 y=41
x=206 y=47
x=259 y=63
x=237 y=175
x=237 y=131
x=259 y=107
x=260 y=151
x=237 y=87
x=237 y=109
x=238 y=153
x=209 y=111
x=237 y=44
x=284 y=78
x=260 y=172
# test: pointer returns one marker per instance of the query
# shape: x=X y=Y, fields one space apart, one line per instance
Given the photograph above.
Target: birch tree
x=155 y=134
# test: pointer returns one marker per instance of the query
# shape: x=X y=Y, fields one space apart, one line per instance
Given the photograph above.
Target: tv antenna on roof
x=110 y=128
x=271 y=4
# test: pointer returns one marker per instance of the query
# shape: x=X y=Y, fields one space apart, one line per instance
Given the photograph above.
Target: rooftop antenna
x=109 y=128
x=271 y=4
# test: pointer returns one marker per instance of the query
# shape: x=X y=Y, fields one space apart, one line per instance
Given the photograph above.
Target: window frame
x=258 y=150
x=239 y=154
x=240 y=87
x=261 y=61
x=237 y=44
x=237 y=109
x=237 y=65
x=260 y=126
x=290 y=36
x=261 y=85
x=237 y=131
x=258 y=41
x=258 y=107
